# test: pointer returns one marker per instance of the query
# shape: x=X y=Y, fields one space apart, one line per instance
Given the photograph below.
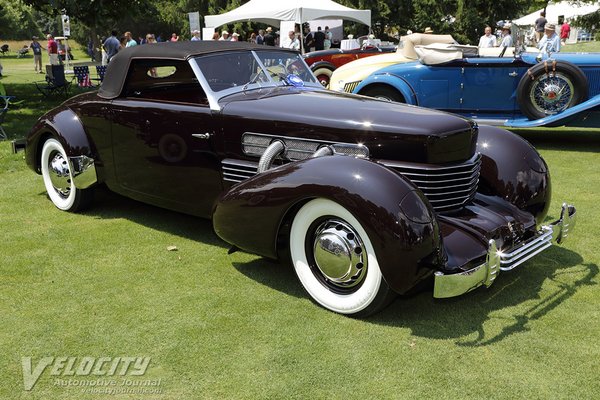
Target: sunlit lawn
x=103 y=284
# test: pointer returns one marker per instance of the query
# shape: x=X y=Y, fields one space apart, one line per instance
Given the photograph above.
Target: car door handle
x=203 y=136
x=513 y=74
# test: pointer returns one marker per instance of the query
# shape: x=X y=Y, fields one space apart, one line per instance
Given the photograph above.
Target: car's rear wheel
x=383 y=93
x=58 y=178
x=323 y=75
x=550 y=88
x=335 y=261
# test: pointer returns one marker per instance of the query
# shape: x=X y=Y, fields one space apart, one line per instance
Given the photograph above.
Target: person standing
x=52 y=49
x=174 y=38
x=328 y=39
x=269 y=39
x=487 y=40
x=539 y=24
x=36 y=47
x=293 y=42
x=260 y=38
x=224 y=36
x=507 y=40
x=111 y=46
x=195 y=35
x=309 y=40
x=565 y=31
x=319 y=39
x=550 y=43
x=130 y=41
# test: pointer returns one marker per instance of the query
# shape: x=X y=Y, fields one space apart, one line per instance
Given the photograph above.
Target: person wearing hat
x=487 y=40
x=224 y=35
x=235 y=37
x=36 y=47
x=269 y=38
x=428 y=30
x=550 y=43
x=507 y=40
x=195 y=35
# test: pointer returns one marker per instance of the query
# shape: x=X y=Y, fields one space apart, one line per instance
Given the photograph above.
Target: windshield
x=239 y=70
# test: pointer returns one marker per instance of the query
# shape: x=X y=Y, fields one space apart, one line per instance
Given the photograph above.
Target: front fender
x=512 y=169
x=322 y=64
x=395 y=82
x=556 y=119
x=393 y=212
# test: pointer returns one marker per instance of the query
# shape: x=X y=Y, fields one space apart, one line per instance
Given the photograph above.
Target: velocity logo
x=82 y=366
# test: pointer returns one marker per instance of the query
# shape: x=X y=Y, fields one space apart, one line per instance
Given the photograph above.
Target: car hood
x=391 y=131
x=358 y=70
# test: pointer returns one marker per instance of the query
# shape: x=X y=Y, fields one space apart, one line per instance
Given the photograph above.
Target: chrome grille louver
x=350 y=86
x=296 y=149
x=238 y=170
x=446 y=187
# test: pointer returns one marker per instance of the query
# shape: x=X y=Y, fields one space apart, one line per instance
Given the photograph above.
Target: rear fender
x=322 y=64
x=395 y=82
x=64 y=125
x=395 y=215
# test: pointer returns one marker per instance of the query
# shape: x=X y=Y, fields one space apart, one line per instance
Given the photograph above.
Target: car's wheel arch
x=398 y=85
x=65 y=126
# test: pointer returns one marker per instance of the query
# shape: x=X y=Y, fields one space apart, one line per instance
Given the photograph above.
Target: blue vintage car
x=517 y=90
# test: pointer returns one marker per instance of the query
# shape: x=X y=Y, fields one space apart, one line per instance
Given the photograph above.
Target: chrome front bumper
x=450 y=285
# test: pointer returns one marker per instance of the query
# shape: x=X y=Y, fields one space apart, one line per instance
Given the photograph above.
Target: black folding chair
x=24 y=51
x=4 y=49
x=55 y=81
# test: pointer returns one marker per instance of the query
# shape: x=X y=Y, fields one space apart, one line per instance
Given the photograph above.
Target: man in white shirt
x=487 y=40
x=293 y=42
x=550 y=43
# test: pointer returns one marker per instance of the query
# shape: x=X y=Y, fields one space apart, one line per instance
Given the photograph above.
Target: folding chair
x=4 y=49
x=55 y=81
x=23 y=52
x=101 y=71
x=4 y=110
x=82 y=73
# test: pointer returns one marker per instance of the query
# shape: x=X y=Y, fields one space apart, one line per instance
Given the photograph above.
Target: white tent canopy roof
x=272 y=12
x=554 y=10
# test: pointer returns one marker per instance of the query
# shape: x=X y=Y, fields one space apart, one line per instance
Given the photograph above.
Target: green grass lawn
x=103 y=284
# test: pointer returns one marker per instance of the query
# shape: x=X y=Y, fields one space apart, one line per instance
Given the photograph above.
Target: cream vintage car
x=347 y=77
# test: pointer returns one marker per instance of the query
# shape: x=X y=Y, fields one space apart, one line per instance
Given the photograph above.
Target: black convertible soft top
x=119 y=64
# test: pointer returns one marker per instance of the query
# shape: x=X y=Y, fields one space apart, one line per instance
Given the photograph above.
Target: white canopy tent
x=562 y=8
x=299 y=11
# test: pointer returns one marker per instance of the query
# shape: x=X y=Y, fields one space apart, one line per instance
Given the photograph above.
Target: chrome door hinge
x=204 y=136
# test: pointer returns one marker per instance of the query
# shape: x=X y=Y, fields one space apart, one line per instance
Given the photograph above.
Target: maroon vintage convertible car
x=368 y=198
x=324 y=62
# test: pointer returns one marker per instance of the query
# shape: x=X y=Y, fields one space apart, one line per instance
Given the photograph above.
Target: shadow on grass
x=110 y=205
x=571 y=139
x=465 y=315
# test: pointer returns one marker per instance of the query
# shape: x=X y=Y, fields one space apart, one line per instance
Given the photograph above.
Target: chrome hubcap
x=552 y=94
x=58 y=169
x=339 y=254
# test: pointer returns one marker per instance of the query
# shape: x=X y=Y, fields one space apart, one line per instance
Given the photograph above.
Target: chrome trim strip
x=83 y=171
x=450 y=285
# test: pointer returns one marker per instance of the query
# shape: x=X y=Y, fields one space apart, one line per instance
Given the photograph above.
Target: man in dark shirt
x=112 y=45
x=269 y=37
x=319 y=39
x=539 y=26
x=37 y=54
x=309 y=40
x=260 y=38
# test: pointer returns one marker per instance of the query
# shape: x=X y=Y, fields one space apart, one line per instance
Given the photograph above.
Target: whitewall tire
x=58 y=178
x=335 y=261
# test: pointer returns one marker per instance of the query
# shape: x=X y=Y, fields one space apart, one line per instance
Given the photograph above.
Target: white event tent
x=299 y=11
x=568 y=9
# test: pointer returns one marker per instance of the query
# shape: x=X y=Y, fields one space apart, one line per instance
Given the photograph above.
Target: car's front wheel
x=550 y=88
x=58 y=178
x=335 y=261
